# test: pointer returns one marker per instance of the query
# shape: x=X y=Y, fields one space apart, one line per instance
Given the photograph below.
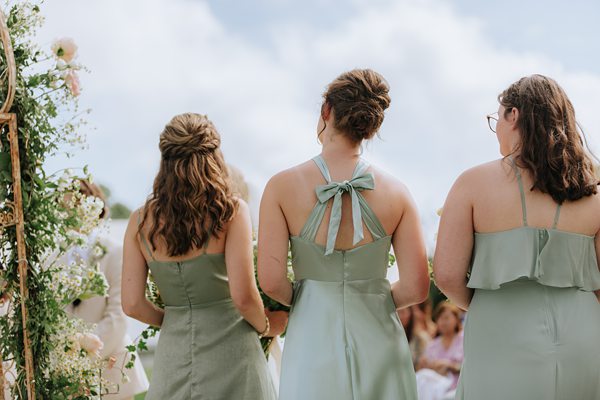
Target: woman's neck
x=336 y=144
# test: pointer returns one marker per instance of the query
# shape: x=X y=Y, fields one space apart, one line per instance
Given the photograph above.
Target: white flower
x=61 y=65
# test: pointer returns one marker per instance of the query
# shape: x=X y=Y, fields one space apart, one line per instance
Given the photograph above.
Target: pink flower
x=64 y=49
x=111 y=362
x=72 y=82
x=90 y=343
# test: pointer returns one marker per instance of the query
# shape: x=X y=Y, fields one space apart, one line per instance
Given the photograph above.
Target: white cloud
x=153 y=59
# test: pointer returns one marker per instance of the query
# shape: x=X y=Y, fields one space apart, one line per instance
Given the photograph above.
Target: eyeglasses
x=492 y=120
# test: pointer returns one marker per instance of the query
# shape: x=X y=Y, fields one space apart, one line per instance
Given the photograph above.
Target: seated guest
x=439 y=367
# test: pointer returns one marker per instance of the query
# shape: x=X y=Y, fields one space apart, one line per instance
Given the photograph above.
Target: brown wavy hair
x=191 y=198
x=553 y=147
x=358 y=99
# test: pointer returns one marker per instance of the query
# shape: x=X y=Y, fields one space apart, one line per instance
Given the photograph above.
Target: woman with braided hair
x=196 y=239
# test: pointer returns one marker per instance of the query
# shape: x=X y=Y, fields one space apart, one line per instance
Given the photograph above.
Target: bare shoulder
x=390 y=185
x=286 y=180
x=134 y=219
x=483 y=174
x=242 y=207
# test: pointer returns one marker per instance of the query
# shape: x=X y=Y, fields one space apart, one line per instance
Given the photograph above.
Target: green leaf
x=5 y=162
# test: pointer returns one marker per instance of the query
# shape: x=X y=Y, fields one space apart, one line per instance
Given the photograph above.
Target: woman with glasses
x=517 y=247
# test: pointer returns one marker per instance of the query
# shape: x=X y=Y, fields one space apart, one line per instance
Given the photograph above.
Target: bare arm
x=273 y=242
x=455 y=245
x=411 y=257
x=240 y=269
x=135 y=274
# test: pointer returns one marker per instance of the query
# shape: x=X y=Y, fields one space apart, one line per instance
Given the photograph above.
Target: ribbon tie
x=335 y=190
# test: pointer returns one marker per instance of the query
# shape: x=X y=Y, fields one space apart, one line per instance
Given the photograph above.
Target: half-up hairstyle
x=552 y=147
x=358 y=99
x=191 y=198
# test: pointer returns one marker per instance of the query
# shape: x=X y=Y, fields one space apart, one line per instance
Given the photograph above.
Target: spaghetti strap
x=556 y=216
x=144 y=241
x=520 y=181
x=361 y=180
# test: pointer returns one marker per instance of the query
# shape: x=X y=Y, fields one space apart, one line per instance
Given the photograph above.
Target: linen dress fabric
x=206 y=350
x=533 y=323
x=344 y=339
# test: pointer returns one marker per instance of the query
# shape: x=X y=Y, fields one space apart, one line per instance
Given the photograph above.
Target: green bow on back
x=363 y=181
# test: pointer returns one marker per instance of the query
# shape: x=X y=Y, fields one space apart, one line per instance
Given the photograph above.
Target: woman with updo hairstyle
x=518 y=247
x=196 y=239
x=341 y=215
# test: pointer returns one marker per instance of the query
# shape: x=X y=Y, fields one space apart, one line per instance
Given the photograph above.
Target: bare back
x=297 y=198
x=497 y=204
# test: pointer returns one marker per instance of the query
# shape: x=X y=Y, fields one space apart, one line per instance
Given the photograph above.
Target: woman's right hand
x=277 y=321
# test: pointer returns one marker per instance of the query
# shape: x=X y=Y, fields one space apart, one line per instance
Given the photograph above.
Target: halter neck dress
x=344 y=339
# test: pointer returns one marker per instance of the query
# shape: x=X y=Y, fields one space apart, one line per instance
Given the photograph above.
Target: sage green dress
x=206 y=350
x=533 y=326
x=344 y=340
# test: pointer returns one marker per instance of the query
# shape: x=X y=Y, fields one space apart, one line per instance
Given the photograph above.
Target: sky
x=258 y=69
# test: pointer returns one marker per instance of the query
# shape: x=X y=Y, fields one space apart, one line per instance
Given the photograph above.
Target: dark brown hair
x=191 y=198
x=552 y=147
x=358 y=99
x=447 y=306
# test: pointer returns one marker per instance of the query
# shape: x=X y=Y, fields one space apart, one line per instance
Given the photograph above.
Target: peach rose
x=72 y=82
x=64 y=49
x=90 y=343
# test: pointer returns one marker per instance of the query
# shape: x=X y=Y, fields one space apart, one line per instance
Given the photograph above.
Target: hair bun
x=188 y=134
x=359 y=99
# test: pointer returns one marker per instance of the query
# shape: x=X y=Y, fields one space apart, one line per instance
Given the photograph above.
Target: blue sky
x=258 y=68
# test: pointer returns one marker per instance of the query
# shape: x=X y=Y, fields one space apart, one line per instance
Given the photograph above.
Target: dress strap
x=144 y=241
x=520 y=181
x=322 y=167
x=360 y=181
x=371 y=221
x=556 y=216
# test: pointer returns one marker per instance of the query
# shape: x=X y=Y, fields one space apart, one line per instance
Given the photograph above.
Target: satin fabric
x=533 y=324
x=206 y=350
x=344 y=339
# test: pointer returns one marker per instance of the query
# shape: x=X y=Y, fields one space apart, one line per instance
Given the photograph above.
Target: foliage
x=119 y=211
x=57 y=218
